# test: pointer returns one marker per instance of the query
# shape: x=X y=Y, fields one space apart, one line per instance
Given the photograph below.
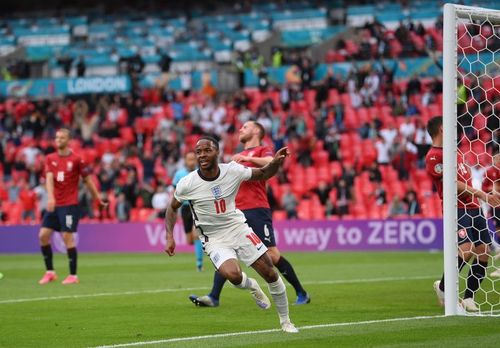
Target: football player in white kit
x=211 y=191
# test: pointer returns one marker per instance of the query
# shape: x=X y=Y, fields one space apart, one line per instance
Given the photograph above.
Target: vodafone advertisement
x=356 y=235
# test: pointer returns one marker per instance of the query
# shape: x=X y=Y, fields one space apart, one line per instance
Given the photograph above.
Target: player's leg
x=230 y=270
x=480 y=234
x=264 y=266
x=69 y=217
x=286 y=269
x=464 y=251
x=46 y=249
x=50 y=223
x=260 y=221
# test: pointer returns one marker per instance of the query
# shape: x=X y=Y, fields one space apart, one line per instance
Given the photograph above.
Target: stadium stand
x=339 y=115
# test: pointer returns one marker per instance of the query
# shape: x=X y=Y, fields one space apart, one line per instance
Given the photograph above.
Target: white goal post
x=453 y=16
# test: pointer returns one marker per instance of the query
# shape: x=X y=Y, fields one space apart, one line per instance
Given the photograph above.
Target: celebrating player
x=252 y=201
x=187 y=217
x=473 y=235
x=63 y=170
x=211 y=192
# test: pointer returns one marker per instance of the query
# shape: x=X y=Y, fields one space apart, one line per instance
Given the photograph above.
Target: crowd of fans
x=136 y=145
x=358 y=142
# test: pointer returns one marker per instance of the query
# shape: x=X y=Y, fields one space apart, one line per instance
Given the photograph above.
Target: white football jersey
x=213 y=201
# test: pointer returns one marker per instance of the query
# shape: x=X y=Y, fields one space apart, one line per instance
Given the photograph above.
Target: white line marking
x=325 y=282
x=232 y=334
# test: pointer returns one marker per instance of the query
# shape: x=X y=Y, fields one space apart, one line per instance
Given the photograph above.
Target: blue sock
x=198 y=250
x=219 y=281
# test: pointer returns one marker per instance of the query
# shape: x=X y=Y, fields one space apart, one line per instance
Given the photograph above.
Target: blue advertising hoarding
x=50 y=88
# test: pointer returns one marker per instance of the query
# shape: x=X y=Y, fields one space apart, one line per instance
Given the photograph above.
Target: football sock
x=217 y=286
x=246 y=283
x=47 y=257
x=198 y=250
x=278 y=292
x=288 y=272
x=72 y=256
x=461 y=264
x=476 y=275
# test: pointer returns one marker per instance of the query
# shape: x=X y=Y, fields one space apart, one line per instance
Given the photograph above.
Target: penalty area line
x=243 y=333
x=159 y=291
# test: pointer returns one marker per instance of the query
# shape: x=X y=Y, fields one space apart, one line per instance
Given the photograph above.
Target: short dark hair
x=433 y=125
x=211 y=139
x=66 y=130
x=262 y=131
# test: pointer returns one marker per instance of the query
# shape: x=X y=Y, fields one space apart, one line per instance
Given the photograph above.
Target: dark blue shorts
x=260 y=221
x=472 y=227
x=62 y=219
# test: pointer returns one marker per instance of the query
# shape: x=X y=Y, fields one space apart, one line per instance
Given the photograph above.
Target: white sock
x=246 y=283
x=278 y=292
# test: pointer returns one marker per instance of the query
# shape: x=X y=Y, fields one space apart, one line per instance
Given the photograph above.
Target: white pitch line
x=242 y=333
x=125 y=293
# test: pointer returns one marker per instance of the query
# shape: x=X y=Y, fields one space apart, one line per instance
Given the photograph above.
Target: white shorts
x=241 y=244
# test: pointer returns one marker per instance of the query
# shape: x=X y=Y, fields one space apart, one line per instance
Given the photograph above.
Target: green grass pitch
x=358 y=300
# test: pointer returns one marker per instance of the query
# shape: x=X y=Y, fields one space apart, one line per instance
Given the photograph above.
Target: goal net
x=471 y=96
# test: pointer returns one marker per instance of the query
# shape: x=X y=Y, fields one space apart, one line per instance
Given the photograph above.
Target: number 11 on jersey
x=220 y=206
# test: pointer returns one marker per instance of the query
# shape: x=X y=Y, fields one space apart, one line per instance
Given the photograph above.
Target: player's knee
x=274 y=254
x=68 y=240
x=44 y=236
x=270 y=275
x=234 y=276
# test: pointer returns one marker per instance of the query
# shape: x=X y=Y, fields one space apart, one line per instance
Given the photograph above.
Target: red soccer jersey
x=492 y=180
x=67 y=171
x=253 y=194
x=434 y=167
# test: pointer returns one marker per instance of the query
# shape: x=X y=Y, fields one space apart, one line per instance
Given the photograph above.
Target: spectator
x=374 y=173
x=42 y=196
x=186 y=82
x=407 y=129
x=28 y=202
x=380 y=195
x=344 y=198
x=414 y=86
x=146 y=192
x=412 y=205
x=80 y=67
x=397 y=207
x=323 y=191
x=130 y=188
x=289 y=203
x=383 y=151
x=160 y=201
x=122 y=208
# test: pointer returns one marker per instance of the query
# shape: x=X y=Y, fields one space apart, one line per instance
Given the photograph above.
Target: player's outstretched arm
x=93 y=190
x=271 y=168
x=258 y=161
x=491 y=198
x=170 y=219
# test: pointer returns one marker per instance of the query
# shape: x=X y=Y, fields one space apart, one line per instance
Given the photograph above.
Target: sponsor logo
x=54 y=163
